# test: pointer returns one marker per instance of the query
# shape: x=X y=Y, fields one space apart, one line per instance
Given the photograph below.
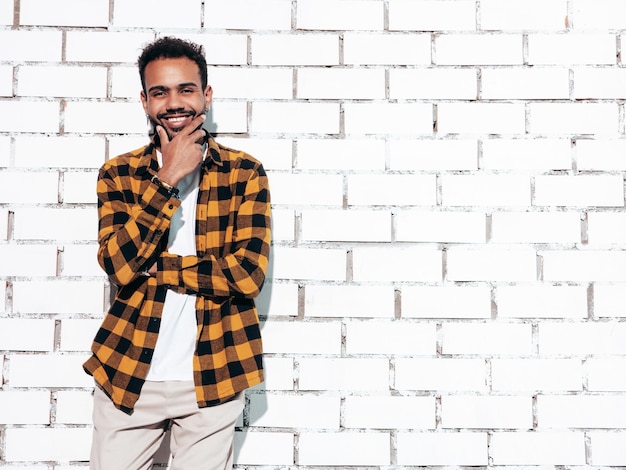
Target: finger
x=195 y=123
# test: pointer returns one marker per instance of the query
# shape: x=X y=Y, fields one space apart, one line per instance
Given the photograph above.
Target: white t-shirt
x=173 y=354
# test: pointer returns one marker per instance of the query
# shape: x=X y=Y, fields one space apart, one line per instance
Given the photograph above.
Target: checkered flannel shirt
x=228 y=271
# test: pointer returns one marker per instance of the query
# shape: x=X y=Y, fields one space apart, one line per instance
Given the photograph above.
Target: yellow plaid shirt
x=228 y=271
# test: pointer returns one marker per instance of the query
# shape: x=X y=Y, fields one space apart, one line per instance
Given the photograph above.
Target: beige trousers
x=200 y=439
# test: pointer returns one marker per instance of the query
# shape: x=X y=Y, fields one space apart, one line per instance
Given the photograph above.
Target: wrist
x=173 y=190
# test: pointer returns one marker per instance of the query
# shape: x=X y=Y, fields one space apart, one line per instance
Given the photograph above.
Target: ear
x=208 y=96
x=144 y=101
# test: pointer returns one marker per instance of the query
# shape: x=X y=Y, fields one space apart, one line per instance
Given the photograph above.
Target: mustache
x=176 y=112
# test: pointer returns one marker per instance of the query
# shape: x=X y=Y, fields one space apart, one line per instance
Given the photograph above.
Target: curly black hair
x=172 y=48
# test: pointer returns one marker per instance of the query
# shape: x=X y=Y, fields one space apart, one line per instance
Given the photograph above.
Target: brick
x=601 y=154
x=342 y=225
x=478 y=49
x=383 y=337
x=391 y=264
x=31 y=46
x=29 y=370
x=67 y=81
x=433 y=154
x=340 y=154
x=547 y=375
x=297 y=337
x=338 y=83
x=487 y=338
x=100 y=46
x=432 y=15
x=480 y=118
x=270 y=14
x=28 y=260
x=440 y=226
x=232 y=50
x=80 y=187
x=573 y=118
x=583 y=266
x=392 y=190
x=25 y=407
x=346 y=374
x=225 y=116
x=523 y=15
x=391 y=118
x=486 y=190
x=74 y=407
x=446 y=301
x=491 y=264
x=525 y=83
x=17 y=116
x=125 y=82
x=606 y=228
x=386 y=49
x=56 y=224
x=609 y=300
x=433 y=83
x=582 y=338
x=537 y=448
x=526 y=154
x=104 y=117
x=53 y=444
x=64 y=13
x=150 y=14
x=283 y=225
x=58 y=296
x=77 y=334
x=283 y=49
x=5 y=151
x=607 y=448
x=339 y=15
x=16 y=187
x=309 y=263
x=581 y=190
x=21 y=334
x=598 y=14
x=251 y=83
x=535 y=227
x=603 y=374
x=279 y=373
x=303 y=411
x=389 y=412
x=486 y=412
x=429 y=374
x=420 y=448
x=252 y=448
x=541 y=301
x=344 y=448
x=275 y=154
x=589 y=411
x=3 y=307
x=61 y=152
x=80 y=260
x=572 y=48
x=337 y=301
x=304 y=189
x=295 y=117
x=599 y=83
x=6 y=13
x=6 y=80
x=122 y=144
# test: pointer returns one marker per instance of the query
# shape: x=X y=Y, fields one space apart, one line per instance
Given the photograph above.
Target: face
x=174 y=94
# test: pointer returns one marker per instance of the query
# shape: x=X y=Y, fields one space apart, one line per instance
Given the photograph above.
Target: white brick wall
x=447 y=286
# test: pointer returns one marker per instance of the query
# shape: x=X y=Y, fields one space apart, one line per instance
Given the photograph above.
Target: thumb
x=165 y=139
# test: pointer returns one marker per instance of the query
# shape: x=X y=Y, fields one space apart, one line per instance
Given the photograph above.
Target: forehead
x=171 y=72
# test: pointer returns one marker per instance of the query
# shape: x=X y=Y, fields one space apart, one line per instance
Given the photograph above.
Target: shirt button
x=171 y=206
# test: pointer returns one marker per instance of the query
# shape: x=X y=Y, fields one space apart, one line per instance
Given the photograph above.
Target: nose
x=174 y=103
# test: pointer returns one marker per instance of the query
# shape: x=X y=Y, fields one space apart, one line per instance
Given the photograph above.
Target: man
x=184 y=233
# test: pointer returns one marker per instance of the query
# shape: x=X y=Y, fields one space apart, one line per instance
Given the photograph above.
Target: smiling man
x=184 y=235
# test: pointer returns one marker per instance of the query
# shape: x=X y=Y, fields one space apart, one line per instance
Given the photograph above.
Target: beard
x=159 y=122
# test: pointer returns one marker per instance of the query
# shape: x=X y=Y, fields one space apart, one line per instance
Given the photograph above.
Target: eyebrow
x=181 y=85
